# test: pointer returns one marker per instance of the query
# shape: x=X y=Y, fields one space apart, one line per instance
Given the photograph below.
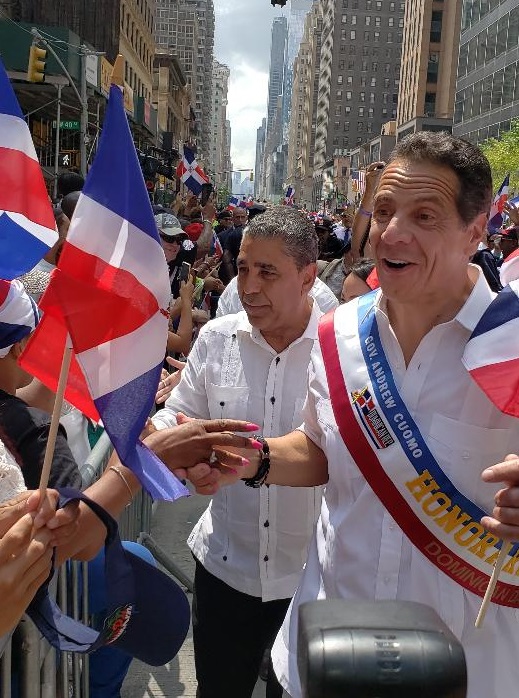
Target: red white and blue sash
x=388 y=448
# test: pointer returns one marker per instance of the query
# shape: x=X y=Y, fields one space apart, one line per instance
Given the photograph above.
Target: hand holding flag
x=110 y=293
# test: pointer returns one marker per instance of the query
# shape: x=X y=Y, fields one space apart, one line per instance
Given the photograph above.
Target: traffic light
x=251 y=176
x=36 y=67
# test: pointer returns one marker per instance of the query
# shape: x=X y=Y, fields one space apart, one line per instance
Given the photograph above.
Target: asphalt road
x=172 y=523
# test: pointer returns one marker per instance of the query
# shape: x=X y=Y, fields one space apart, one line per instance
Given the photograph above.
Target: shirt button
x=465 y=455
x=266 y=558
x=225 y=558
x=392 y=526
x=266 y=524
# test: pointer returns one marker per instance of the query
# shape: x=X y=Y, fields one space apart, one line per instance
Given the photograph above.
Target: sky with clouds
x=242 y=41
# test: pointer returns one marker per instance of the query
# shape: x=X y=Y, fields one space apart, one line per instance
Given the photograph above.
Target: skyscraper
x=186 y=27
x=219 y=153
x=487 y=89
x=359 y=73
x=429 y=62
x=260 y=149
x=296 y=22
x=273 y=159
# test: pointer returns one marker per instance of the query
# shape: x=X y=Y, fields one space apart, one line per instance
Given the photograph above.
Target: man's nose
x=395 y=231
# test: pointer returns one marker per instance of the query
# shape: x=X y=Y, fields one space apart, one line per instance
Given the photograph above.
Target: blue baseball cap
x=147 y=613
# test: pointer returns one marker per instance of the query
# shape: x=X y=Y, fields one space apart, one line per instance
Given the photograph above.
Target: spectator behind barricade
x=488 y=262
x=69 y=182
x=356 y=282
x=177 y=247
x=69 y=203
x=25 y=430
x=240 y=216
x=334 y=272
x=342 y=229
x=330 y=247
x=509 y=241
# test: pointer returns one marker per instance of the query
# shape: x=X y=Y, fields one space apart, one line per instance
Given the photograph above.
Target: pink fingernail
x=256 y=444
x=251 y=427
x=244 y=461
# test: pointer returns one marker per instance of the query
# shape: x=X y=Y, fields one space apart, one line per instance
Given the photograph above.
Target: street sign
x=69 y=125
x=68 y=158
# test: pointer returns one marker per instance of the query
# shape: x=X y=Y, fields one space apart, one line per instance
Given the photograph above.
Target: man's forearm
x=295 y=461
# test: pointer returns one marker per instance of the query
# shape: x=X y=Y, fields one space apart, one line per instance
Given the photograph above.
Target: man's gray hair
x=292 y=227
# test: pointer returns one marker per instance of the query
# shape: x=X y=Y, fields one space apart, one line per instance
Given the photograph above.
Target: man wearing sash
x=400 y=431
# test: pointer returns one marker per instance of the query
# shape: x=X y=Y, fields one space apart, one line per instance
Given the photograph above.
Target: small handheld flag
x=190 y=172
x=110 y=293
x=27 y=226
x=491 y=356
x=496 y=216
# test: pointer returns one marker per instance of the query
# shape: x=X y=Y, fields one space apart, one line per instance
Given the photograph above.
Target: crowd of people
x=266 y=404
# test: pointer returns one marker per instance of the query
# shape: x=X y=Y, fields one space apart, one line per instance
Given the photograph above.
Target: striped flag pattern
x=27 y=226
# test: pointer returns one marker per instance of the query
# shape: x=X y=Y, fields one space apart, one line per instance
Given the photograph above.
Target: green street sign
x=69 y=125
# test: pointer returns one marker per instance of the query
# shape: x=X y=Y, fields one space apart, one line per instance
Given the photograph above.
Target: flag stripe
x=481 y=352
x=505 y=308
x=15 y=134
x=136 y=253
x=500 y=384
x=113 y=364
x=117 y=182
x=23 y=189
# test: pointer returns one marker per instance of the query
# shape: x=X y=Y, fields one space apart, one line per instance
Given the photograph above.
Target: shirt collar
x=471 y=311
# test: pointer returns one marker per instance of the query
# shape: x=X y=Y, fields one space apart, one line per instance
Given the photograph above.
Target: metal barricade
x=38 y=672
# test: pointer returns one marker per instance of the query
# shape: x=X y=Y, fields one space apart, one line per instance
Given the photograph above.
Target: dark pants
x=231 y=631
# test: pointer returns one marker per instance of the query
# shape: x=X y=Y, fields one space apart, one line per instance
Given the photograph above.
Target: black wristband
x=264 y=467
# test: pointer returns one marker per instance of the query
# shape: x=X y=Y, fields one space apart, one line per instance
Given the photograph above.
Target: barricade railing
x=29 y=666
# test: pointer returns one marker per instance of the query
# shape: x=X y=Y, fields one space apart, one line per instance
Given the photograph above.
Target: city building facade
x=429 y=66
x=487 y=88
x=220 y=153
x=186 y=27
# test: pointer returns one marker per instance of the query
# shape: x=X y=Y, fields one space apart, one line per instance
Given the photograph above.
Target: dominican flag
x=27 y=226
x=496 y=217
x=492 y=352
x=233 y=202
x=191 y=173
x=110 y=295
x=289 y=196
x=216 y=247
x=509 y=270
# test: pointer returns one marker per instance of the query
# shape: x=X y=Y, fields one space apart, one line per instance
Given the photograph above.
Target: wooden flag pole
x=54 y=422
x=505 y=549
x=118 y=71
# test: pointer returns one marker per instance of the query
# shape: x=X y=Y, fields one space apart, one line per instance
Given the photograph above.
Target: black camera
x=378 y=649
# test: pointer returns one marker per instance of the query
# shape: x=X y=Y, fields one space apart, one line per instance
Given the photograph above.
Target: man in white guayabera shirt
x=250 y=544
x=401 y=432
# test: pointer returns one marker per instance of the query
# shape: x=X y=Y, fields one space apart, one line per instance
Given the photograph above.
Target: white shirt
x=466 y=433
x=255 y=540
x=229 y=302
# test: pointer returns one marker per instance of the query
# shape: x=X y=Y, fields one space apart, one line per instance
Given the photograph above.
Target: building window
x=376 y=37
x=346 y=125
x=367 y=36
x=354 y=19
x=361 y=111
x=344 y=19
x=360 y=125
x=436 y=26
x=391 y=22
x=353 y=35
x=339 y=79
x=373 y=82
x=362 y=96
x=367 y=20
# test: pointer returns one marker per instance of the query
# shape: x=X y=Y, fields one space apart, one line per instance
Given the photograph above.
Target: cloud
x=242 y=41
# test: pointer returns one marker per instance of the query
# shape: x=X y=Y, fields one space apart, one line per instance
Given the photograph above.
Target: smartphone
x=207 y=190
x=185 y=271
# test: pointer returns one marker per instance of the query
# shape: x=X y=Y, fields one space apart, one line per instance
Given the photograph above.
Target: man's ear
x=477 y=229
x=309 y=275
